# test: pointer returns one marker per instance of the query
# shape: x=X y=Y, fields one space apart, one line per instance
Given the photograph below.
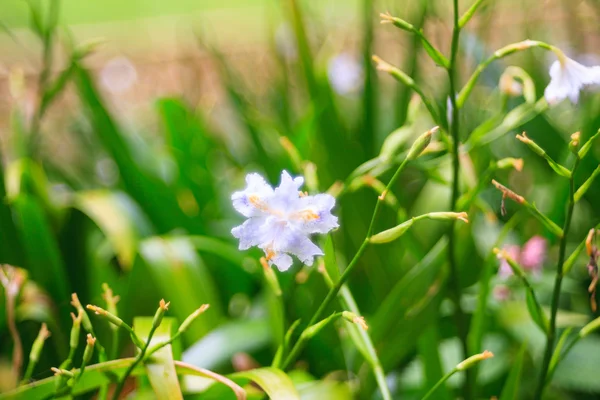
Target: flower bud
x=469 y=362
x=76 y=329
x=391 y=234
x=421 y=144
x=509 y=162
x=574 y=143
x=188 y=321
x=399 y=22
x=355 y=319
x=85 y=321
x=38 y=344
x=559 y=169
x=89 y=349
x=113 y=319
x=448 y=216
x=160 y=313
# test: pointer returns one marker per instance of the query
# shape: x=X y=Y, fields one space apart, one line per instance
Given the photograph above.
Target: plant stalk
x=551 y=334
x=455 y=289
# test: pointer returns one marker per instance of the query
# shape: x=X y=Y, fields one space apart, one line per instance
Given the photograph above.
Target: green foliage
x=160 y=228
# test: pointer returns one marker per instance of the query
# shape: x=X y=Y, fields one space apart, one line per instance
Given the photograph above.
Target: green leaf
x=535 y=311
x=160 y=367
x=44 y=260
x=119 y=218
x=158 y=200
x=510 y=391
x=217 y=348
x=183 y=279
x=273 y=381
x=428 y=344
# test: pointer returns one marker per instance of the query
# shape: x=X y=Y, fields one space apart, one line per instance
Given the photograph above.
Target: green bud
x=509 y=162
x=89 y=349
x=87 y=324
x=421 y=144
x=192 y=317
x=355 y=319
x=75 y=330
x=559 y=169
x=160 y=313
x=392 y=234
x=471 y=361
x=574 y=143
x=38 y=344
x=113 y=319
x=399 y=22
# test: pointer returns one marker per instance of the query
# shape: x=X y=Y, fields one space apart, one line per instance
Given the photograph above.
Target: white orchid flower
x=281 y=220
x=568 y=78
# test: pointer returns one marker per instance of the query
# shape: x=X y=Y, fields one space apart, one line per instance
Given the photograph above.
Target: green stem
x=460 y=317
x=439 y=383
x=333 y=292
x=137 y=360
x=550 y=336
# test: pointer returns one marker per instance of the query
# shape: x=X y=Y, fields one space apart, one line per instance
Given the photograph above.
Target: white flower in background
x=567 y=78
x=345 y=74
x=281 y=220
x=118 y=75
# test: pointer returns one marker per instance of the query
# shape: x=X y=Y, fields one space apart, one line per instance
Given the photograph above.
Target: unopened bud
x=532 y=145
x=355 y=319
x=113 y=319
x=421 y=144
x=192 y=317
x=160 y=313
x=38 y=344
x=574 y=143
x=509 y=162
x=469 y=362
x=89 y=349
x=448 y=216
x=392 y=234
x=76 y=329
x=400 y=23
x=85 y=321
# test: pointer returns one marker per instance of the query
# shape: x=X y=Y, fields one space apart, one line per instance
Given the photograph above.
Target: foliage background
x=129 y=177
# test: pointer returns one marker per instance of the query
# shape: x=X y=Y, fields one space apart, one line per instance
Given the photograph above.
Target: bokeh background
x=129 y=176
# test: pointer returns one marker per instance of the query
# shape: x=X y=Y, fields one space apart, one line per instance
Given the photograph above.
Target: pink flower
x=531 y=257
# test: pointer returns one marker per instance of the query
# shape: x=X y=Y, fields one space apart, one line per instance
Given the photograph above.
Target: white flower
x=345 y=74
x=281 y=220
x=567 y=78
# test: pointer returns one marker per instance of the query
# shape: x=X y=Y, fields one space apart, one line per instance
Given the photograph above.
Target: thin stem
x=455 y=289
x=130 y=369
x=333 y=292
x=439 y=383
x=551 y=334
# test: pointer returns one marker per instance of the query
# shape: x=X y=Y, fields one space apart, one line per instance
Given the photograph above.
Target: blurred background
x=121 y=170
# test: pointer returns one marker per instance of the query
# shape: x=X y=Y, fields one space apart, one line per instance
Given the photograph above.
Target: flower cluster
x=281 y=220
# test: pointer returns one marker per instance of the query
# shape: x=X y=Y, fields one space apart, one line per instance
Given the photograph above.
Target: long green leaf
x=510 y=391
x=177 y=270
x=160 y=368
x=273 y=381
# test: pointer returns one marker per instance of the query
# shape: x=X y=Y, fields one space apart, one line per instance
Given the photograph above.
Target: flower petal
x=282 y=261
x=250 y=233
x=317 y=214
x=251 y=201
x=296 y=243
